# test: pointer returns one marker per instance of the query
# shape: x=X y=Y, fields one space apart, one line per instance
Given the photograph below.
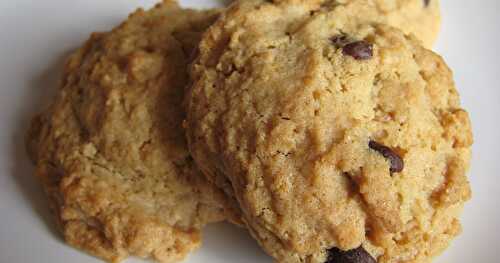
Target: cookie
x=339 y=137
x=110 y=150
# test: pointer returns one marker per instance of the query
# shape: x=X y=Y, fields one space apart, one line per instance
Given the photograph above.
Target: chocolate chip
x=359 y=50
x=357 y=255
x=397 y=163
x=427 y=2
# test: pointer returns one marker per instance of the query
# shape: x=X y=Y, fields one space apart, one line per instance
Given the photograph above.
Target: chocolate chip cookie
x=111 y=152
x=342 y=139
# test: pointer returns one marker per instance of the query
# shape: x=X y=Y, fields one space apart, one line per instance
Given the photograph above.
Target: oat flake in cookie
x=325 y=151
x=110 y=151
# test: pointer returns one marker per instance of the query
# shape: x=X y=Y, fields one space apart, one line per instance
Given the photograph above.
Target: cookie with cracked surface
x=110 y=150
x=334 y=135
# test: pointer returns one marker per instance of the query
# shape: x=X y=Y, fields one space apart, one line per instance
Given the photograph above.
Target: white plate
x=35 y=37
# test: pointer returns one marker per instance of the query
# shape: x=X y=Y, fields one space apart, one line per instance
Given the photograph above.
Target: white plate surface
x=36 y=36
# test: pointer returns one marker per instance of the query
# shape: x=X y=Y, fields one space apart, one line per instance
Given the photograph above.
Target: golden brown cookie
x=110 y=151
x=338 y=136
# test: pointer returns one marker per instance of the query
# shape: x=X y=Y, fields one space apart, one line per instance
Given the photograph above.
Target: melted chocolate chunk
x=359 y=50
x=357 y=255
x=427 y=2
x=397 y=164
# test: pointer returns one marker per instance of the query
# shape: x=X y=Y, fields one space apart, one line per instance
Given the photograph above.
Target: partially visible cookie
x=339 y=137
x=110 y=151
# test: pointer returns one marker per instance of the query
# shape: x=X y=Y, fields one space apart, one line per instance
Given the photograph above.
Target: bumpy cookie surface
x=331 y=132
x=111 y=152
x=419 y=17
